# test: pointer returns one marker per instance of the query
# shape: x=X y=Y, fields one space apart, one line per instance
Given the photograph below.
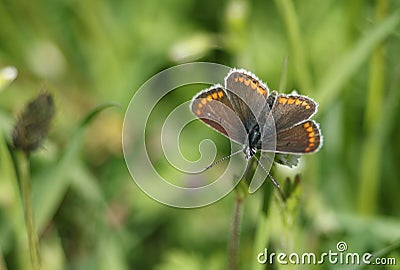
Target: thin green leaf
x=50 y=187
x=11 y=207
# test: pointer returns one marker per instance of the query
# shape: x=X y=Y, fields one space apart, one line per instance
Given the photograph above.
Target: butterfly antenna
x=218 y=161
x=266 y=171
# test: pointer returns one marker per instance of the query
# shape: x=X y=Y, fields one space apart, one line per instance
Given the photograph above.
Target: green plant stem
x=241 y=191
x=2 y=263
x=289 y=15
x=263 y=228
x=26 y=195
x=376 y=75
x=235 y=233
x=372 y=147
x=283 y=79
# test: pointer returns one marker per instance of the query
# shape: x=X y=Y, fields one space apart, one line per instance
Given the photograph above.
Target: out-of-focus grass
x=343 y=54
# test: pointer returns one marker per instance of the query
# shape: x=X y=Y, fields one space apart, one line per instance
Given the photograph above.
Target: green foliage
x=88 y=212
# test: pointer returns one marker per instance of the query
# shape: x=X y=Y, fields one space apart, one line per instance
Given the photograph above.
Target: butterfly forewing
x=289 y=110
x=249 y=95
x=213 y=107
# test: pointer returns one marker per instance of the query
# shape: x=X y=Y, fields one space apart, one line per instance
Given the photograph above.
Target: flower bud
x=34 y=123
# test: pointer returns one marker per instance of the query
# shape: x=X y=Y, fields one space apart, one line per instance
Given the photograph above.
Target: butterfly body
x=254 y=137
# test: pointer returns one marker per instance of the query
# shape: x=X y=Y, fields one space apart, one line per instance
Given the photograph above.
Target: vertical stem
x=235 y=233
x=241 y=191
x=376 y=75
x=26 y=195
x=372 y=149
x=289 y=15
x=2 y=263
x=263 y=229
x=354 y=13
x=283 y=79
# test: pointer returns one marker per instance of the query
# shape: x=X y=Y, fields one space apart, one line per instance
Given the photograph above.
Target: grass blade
x=50 y=187
x=332 y=83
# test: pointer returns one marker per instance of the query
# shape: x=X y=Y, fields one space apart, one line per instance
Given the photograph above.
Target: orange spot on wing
x=306 y=125
x=220 y=94
x=198 y=112
x=308 y=107
x=214 y=95
x=241 y=79
x=282 y=100
x=261 y=91
x=304 y=103
x=236 y=79
x=307 y=149
x=204 y=101
x=298 y=101
x=247 y=82
x=209 y=98
x=290 y=101
x=311 y=134
x=253 y=85
x=200 y=105
x=309 y=129
x=311 y=140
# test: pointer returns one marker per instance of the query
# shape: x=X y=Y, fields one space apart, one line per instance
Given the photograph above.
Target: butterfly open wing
x=247 y=95
x=299 y=139
x=213 y=107
x=289 y=110
x=284 y=120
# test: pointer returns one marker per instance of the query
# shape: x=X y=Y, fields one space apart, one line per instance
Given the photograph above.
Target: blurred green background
x=88 y=212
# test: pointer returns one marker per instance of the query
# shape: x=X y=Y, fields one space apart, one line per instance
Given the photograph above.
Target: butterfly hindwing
x=299 y=139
